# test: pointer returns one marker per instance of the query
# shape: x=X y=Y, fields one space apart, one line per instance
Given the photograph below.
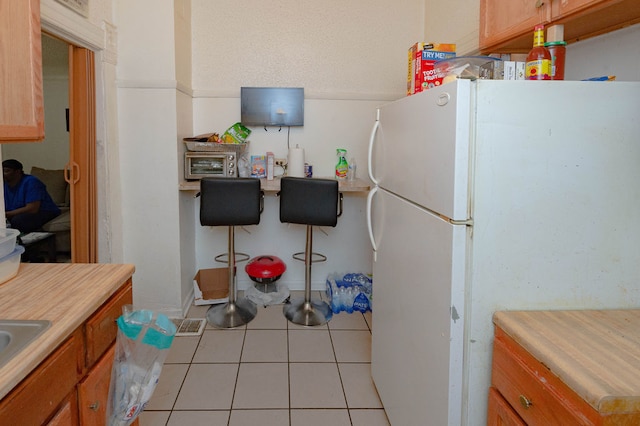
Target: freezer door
x=420 y=148
x=418 y=298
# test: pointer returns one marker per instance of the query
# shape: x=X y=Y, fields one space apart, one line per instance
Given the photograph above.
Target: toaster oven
x=198 y=165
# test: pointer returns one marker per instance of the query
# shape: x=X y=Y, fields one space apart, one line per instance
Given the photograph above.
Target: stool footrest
x=224 y=257
x=319 y=257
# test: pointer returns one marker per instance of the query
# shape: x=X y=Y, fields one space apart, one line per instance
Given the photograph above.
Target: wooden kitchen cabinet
x=504 y=20
x=500 y=412
x=507 y=25
x=22 y=101
x=93 y=391
x=584 y=372
x=70 y=384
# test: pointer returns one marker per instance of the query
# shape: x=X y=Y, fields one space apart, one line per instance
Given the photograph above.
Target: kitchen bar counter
x=594 y=352
x=358 y=185
x=65 y=294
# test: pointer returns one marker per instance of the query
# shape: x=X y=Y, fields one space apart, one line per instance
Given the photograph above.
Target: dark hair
x=12 y=164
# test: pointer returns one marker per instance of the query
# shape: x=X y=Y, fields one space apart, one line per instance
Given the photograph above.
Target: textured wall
x=334 y=48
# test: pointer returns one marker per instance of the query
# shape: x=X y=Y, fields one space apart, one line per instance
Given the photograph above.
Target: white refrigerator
x=494 y=195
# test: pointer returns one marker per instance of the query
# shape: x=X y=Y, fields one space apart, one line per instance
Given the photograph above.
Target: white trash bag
x=143 y=341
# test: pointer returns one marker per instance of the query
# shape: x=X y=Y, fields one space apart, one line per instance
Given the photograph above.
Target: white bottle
x=351 y=173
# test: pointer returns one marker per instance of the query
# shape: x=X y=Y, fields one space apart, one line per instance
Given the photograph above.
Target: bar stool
x=311 y=202
x=231 y=202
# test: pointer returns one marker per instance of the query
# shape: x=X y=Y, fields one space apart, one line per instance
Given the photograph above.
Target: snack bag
x=236 y=134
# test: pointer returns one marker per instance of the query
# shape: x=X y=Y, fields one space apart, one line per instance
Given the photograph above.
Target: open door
x=80 y=172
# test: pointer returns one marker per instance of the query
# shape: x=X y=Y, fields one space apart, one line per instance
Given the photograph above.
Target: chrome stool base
x=307 y=312
x=231 y=315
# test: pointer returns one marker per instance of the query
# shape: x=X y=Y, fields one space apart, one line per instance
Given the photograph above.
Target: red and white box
x=421 y=74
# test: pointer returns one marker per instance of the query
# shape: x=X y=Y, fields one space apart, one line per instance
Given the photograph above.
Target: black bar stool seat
x=310 y=202
x=231 y=202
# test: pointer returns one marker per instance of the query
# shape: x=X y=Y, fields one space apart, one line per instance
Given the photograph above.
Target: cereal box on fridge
x=422 y=56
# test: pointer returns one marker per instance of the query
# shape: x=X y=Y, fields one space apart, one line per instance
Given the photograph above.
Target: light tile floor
x=270 y=372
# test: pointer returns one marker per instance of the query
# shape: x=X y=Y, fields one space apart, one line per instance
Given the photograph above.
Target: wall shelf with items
x=507 y=27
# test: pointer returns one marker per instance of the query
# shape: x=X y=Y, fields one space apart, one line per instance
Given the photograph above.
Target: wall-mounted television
x=272 y=106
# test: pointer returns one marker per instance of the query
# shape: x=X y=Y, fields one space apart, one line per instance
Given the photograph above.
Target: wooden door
x=21 y=102
x=80 y=172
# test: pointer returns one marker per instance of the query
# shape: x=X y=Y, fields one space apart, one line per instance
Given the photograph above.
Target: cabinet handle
x=539 y=4
x=525 y=402
x=95 y=406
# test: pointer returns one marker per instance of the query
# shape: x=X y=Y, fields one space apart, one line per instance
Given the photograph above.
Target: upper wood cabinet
x=21 y=103
x=505 y=20
x=507 y=25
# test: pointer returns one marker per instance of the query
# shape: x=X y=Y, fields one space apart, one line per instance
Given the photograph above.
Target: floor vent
x=189 y=326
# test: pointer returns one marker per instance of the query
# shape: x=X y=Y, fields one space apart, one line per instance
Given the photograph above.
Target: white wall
x=617 y=53
x=350 y=57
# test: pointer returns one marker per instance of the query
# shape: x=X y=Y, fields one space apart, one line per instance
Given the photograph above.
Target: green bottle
x=342 y=167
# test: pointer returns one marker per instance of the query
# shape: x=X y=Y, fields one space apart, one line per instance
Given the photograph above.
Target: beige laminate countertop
x=595 y=352
x=65 y=294
x=357 y=185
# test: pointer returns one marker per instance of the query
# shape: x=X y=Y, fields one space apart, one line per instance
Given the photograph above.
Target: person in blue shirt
x=27 y=203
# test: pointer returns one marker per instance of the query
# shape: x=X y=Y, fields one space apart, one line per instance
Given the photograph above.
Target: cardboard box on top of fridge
x=211 y=286
x=421 y=74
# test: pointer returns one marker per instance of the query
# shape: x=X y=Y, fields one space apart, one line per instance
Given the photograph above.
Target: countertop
x=357 y=185
x=595 y=352
x=65 y=294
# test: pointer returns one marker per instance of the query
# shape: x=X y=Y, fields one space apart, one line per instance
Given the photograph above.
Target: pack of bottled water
x=350 y=292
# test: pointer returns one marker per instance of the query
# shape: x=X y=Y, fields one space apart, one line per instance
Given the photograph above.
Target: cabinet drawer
x=101 y=329
x=38 y=396
x=537 y=395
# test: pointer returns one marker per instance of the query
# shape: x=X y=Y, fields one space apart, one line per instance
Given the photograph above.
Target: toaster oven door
x=200 y=166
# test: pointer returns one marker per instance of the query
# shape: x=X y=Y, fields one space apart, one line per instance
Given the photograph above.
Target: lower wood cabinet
x=93 y=391
x=71 y=386
x=525 y=392
x=67 y=415
x=500 y=412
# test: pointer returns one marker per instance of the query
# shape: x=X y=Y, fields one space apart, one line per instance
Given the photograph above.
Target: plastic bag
x=143 y=341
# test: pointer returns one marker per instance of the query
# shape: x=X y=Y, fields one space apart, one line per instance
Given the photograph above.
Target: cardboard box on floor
x=211 y=286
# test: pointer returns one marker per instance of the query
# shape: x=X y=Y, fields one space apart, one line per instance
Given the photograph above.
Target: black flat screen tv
x=272 y=106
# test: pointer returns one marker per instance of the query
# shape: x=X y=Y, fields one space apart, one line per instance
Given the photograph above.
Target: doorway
x=68 y=151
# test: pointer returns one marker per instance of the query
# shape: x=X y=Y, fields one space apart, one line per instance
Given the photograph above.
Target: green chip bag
x=236 y=134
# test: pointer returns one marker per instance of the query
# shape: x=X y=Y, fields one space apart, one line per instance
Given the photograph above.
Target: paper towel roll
x=295 y=162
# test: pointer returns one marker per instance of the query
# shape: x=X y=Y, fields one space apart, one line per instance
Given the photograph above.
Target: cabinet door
x=562 y=8
x=68 y=414
x=37 y=397
x=505 y=20
x=21 y=103
x=93 y=391
x=500 y=412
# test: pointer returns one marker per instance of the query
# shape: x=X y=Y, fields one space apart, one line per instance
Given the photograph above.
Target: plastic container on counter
x=557 y=49
x=10 y=264
x=7 y=240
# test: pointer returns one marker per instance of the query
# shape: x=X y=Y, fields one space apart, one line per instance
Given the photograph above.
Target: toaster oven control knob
x=231 y=164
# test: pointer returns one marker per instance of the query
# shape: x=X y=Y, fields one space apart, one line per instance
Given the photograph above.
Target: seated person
x=27 y=203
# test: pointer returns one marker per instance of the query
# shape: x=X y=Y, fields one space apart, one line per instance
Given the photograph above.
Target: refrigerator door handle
x=372 y=192
x=372 y=138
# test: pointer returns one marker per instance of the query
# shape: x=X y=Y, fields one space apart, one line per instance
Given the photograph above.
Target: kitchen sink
x=15 y=335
